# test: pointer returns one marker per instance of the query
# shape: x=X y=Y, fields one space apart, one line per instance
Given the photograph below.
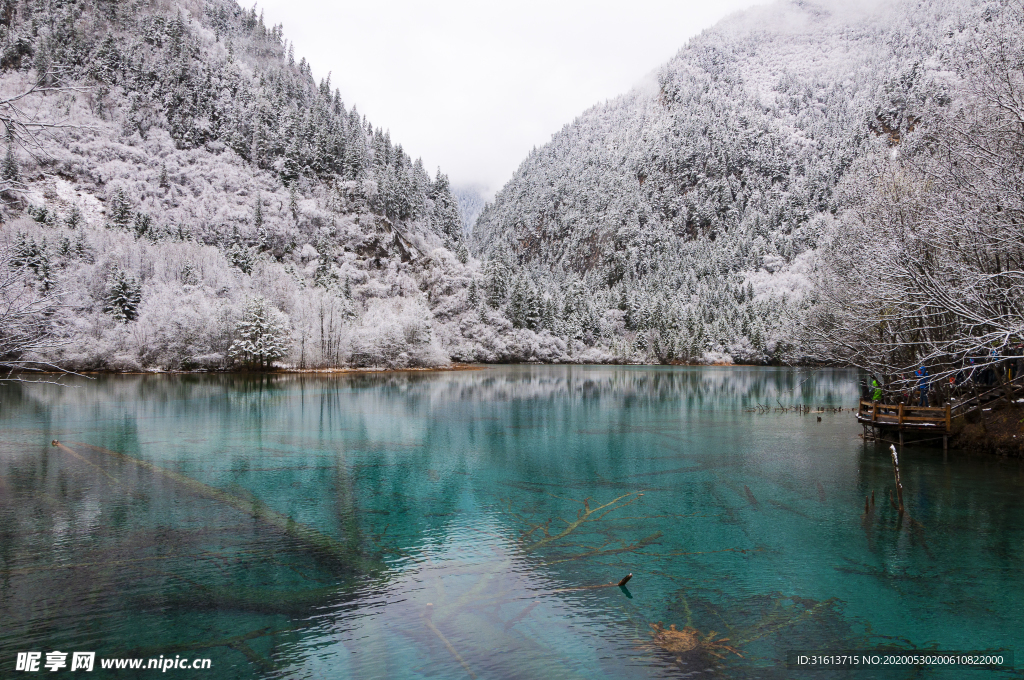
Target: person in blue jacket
x=922 y=384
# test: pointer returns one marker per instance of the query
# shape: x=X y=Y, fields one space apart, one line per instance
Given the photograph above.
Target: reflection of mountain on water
x=712 y=387
x=404 y=453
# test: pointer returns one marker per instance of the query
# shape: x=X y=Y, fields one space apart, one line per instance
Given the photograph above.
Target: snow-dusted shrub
x=716 y=358
x=185 y=328
x=396 y=333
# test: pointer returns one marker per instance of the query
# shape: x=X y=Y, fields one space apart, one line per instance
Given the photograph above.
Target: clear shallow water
x=428 y=525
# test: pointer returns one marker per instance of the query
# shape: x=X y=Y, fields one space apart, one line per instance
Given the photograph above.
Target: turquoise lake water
x=452 y=525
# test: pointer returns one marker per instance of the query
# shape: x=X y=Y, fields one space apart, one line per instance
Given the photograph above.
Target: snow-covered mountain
x=471 y=204
x=692 y=204
x=196 y=166
x=196 y=198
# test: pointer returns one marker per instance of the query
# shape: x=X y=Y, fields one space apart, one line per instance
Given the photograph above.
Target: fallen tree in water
x=316 y=542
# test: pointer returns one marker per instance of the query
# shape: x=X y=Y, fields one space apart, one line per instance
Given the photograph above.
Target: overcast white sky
x=473 y=86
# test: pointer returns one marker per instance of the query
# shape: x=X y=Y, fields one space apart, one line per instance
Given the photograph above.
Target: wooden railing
x=992 y=393
x=904 y=414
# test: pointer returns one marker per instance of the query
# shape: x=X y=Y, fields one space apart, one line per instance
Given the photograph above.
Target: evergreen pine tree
x=189 y=275
x=46 y=280
x=124 y=295
x=293 y=203
x=80 y=249
x=495 y=283
x=120 y=210
x=20 y=251
x=32 y=255
x=142 y=224
x=10 y=171
x=257 y=221
x=517 y=310
x=238 y=254
x=263 y=333
x=533 y=310
x=74 y=218
x=257 y=214
x=64 y=246
x=324 y=276
x=446 y=218
x=548 y=320
x=241 y=256
x=38 y=213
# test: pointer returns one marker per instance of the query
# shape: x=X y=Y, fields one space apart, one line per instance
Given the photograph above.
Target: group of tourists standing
x=976 y=372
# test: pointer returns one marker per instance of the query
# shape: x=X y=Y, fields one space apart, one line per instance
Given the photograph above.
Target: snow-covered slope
x=198 y=173
x=692 y=204
x=197 y=166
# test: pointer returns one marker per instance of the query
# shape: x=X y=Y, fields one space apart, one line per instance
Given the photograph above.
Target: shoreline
x=454 y=366
x=275 y=371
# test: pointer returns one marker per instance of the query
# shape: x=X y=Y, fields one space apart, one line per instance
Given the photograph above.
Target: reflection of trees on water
x=395 y=451
x=722 y=387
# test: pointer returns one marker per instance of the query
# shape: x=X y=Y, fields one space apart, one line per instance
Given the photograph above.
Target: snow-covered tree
x=9 y=171
x=124 y=294
x=28 y=325
x=264 y=334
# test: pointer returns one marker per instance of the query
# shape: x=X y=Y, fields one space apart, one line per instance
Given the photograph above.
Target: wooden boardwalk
x=902 y=418
x=991 y=394
x=937 y=420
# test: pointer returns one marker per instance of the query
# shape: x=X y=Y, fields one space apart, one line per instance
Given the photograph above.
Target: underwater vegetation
x=306 y=537
x=689 y=641
x=538 y=535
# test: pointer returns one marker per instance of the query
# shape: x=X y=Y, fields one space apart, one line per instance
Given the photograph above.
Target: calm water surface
x=448 y=525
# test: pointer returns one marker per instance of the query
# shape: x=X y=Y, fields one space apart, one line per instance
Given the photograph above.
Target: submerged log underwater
x=309 y=537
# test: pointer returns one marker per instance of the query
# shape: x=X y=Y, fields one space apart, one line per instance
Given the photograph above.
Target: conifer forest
x=804 y=182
